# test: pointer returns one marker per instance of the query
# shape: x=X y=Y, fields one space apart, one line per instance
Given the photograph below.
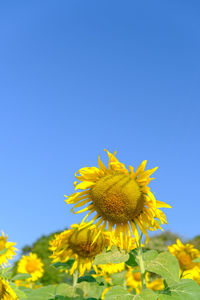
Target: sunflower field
x=108 y=255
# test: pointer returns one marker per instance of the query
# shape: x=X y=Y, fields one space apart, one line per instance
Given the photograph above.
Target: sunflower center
x=185 y=260
x=117 y=198
x=137 y=276
x=31 y=266
x=81 y=242
x=3 y=241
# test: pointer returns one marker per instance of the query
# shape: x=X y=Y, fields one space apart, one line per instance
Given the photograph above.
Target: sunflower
x=120 y=197
x=108 y=269
x=129 y=243
x=155 y=285
x=185 y=254
x=31 y=264
x=6 y=293
x=7 y=250
x=82 y=244
x=193 y=273
x=133 y=280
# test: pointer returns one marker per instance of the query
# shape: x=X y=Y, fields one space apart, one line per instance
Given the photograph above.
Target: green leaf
x=21 y=276
x=118 y=278
x=114 y=256
x=65 y=265
x=87 y=278
x=150 y=255
x=64 y=289
x=146 y=295
x=117 y=292
x=165 y=265
x=3 y=251
x=43 y=293
x=132 y=260
x=185 y=289
x=90 y=289
x=197 y=260
x=20 y=293
x=6 y=272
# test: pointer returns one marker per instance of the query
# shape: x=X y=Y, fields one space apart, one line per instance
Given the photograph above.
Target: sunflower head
x=185 y=254
x=31 y=264
x=156 y=284
x=120 y=197
x=6 y=293
x=7 y=248
x=133 y=279
x=117 y=198
x=193 y=274
x=108 y=269
x=80 y=243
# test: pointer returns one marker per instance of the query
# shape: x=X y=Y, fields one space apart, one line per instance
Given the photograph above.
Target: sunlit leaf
x=90 y=289
x=114 y=256
x=165 y=265
x=150 y=255
x=21 y=276
x=146 y=295
x=197 y=260
x=185 y=289
x=118 y=293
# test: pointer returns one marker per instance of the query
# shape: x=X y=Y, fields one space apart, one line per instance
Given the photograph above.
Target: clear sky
x=80 y=76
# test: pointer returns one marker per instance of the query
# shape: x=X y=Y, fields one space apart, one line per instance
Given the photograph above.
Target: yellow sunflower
x=133 y=280
x=6 y=293
x=7 y=250
x=155 y=285
x=31 y=264
x=82 y=244
x=185 y=254
x=193 y=273
x=120 y=197
x=108 y=269
x=128 y=243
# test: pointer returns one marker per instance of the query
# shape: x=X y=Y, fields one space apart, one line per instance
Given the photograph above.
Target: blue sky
x=80 y=76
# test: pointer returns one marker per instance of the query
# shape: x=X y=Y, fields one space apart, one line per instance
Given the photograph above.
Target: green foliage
x=185 y=289
x=146 y=295
x=161 y=241
x=58 y=285
x=117 y=293
x=165 y=265
x=21 y=276
x=114 y=256
x=195 y=241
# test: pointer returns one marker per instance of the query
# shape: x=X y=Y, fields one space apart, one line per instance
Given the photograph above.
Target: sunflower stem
x=141 y=263
x=75 y=278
